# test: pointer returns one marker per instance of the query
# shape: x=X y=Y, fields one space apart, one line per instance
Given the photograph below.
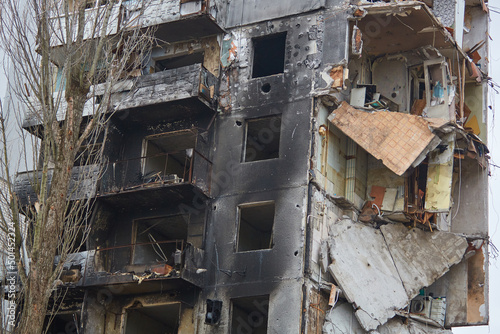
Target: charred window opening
x=61 y=323
x=180 y=61
x=168 y=157
x=214 y=309
x=153 y=319
x=250 y=315
x=268 y=55
x=262 y=139
x=158 y=240
x=256 y=223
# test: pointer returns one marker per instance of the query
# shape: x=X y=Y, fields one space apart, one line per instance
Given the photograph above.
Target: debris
x=418 y=107
x=398 y=139
x=393 y=261
x=139 y=279
x=357 y=41
x=337 y=75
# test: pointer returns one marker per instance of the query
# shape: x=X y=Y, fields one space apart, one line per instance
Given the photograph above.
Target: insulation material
x=229 y=51
x=337 y=76
x=395 y=138
x=393 y=261
x=357 y=42
x=439 y=177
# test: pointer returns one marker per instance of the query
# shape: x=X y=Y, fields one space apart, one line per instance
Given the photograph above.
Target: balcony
x=180 y=175
x=135 y=267
x=179 y=20
x=174 y=20
x=83 y=184
x=188 y=90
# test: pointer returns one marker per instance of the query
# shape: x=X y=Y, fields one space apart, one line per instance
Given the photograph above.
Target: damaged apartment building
x=291 y=167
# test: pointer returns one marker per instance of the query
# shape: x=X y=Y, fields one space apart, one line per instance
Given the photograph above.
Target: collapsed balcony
x=412 y=166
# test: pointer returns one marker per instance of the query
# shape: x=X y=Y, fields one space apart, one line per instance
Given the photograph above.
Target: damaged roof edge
x=400 y=7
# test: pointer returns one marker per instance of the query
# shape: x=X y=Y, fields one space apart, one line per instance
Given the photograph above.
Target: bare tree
x=67 y=56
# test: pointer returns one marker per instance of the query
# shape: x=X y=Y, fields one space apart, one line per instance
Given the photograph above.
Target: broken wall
x=470 y=200
x=466 y=289
x=475 y=101
x=330 y=154
x=476 y=23
x=209 y=46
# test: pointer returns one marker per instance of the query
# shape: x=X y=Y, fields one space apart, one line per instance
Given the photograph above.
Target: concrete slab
x=392 y=265
x=422 y=257
x=364 y=269
x=341 y=320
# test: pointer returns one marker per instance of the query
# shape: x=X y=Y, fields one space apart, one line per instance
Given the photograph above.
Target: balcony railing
x=163 y=258
x=133 y=263
x=166 y=169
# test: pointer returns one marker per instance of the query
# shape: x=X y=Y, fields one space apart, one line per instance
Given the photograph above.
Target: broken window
x=167 y=157
x=255 y=229
x=62 y=323
x=268 y=55
x=250 y=315
x=153 y=319
x=180 y=61
x=157 y=240
x=262 y=139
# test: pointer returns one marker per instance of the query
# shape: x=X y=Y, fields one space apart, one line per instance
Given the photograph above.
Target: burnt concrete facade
x=231 y=175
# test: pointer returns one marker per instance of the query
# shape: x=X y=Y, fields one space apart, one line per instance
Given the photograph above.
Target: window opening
x=157 y=239
x=168 y=157
x=180 y=61
x=268 y=55
x=256 y=223
x=262 y=139
x=61 y=323
x=154 y=319
x=250 y=315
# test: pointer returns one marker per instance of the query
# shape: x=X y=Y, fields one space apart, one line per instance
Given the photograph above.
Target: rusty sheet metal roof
x=397 y=139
